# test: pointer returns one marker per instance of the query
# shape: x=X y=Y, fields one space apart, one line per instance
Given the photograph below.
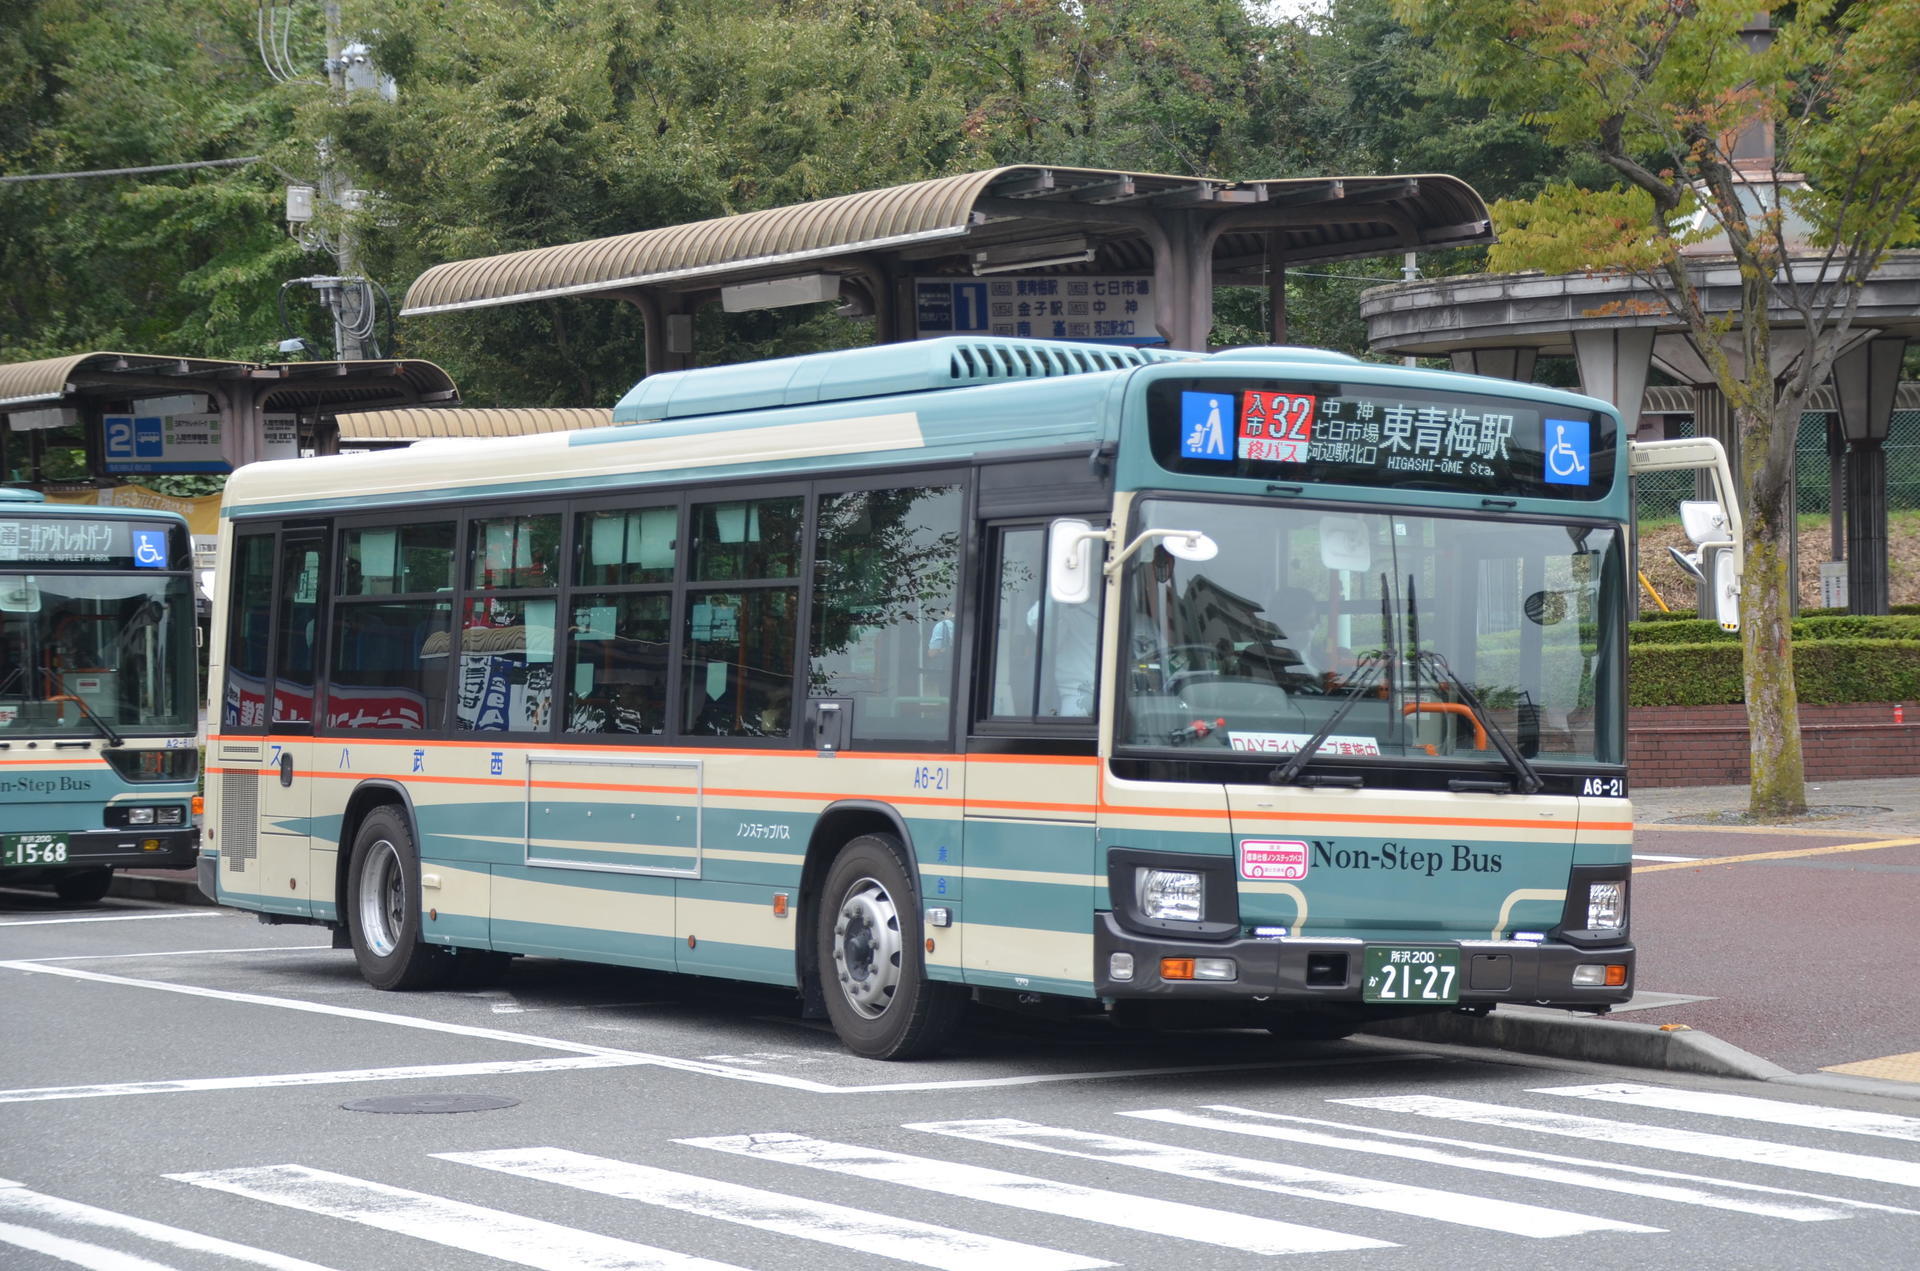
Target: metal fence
x=1659 y=493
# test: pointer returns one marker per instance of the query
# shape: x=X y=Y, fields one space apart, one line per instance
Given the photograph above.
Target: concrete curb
x=1535 y=1031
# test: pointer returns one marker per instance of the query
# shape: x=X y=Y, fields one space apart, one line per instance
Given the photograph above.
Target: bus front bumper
x=1301 y=970
x=141 y=847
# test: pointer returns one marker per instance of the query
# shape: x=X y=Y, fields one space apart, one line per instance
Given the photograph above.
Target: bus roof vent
x=881 y=370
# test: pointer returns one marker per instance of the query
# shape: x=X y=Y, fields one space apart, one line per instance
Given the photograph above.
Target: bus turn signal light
x=1176 y=968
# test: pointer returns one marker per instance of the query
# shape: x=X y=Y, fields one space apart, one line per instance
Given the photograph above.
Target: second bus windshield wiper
x=1435 y=665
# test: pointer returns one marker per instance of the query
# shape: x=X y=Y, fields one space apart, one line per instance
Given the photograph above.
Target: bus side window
x=1044 y=655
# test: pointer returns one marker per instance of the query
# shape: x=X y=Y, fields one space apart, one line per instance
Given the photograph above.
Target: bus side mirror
x=1070 y=563
x=1719 y=568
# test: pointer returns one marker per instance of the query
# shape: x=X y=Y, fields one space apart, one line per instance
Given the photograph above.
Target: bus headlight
x=139 y=816
x=1607 y=905
x=1169 y=894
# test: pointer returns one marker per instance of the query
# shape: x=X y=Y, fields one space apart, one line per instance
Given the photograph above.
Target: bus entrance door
x=286 y=782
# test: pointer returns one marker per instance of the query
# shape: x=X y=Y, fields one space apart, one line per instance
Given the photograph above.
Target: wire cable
x=133 y=172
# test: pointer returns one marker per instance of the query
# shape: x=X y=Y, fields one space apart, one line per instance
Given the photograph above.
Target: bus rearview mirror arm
x=1070 y=555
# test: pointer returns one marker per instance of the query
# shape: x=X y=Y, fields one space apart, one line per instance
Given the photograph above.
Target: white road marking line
x=1648 y=856
x=922 y=1243
x=761 y=1077
x=346 y=1076
x=451 y=1223
x=1745 y=1107
x=180 y=953
x=1148 y=1214
x=54 y=922
x=1876 y=1169
x=16 y=1200
x=1511 y=1217
x=1271 y=1125
x=79 y=1252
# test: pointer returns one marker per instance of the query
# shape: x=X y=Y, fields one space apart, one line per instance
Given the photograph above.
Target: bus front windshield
x=1423 y=638
x=96 y=654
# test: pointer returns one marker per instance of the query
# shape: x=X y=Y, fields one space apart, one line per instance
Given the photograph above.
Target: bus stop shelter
x=139 y=414
x=919 y=258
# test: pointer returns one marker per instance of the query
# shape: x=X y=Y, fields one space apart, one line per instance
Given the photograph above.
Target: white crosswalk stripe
x=1310 y=1150
x=20 y=1202
x=1686 y=1189
x=1875 y=1169
x=1290 y=1180
x=923 y=1244
x=530 y=1242
x=1145 y=1214
x=1746 y=1107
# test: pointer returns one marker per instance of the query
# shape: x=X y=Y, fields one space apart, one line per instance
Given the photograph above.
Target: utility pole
x=348 y=294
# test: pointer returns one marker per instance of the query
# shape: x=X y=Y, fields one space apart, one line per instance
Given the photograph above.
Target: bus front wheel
x=84 y=886
x=383 y=907
x=871 y=956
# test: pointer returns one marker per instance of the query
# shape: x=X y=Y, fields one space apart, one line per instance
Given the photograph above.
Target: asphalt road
x=1802 y=946
x=180 y=1085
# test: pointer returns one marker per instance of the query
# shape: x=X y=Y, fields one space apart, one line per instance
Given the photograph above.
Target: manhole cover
x=1830 y=812
x=420 y=1103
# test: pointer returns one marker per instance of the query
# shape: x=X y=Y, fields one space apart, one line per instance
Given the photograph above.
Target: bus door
x=267 y=719
x=1031 y=776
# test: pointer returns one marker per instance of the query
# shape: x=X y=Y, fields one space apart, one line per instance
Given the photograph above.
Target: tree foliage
x=1670 y=95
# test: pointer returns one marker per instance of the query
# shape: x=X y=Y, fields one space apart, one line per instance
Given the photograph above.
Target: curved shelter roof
x=936 y=224
x=277 y=386
x=49 y=379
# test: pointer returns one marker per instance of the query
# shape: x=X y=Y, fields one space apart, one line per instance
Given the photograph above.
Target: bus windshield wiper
x=1369 y=668
x=106 y=729
x=1442 y=675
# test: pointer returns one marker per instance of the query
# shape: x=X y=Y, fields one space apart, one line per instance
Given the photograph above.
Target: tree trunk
x=1766 y=632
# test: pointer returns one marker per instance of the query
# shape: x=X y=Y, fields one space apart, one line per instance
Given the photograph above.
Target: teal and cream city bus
x=1269 y=688
x=99 y=694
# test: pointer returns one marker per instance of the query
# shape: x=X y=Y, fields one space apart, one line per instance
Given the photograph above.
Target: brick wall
x=1707 y=745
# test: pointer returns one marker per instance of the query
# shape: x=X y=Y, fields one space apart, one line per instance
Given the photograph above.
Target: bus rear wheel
x=871 y=956
x=83 y=886
x=383 y=907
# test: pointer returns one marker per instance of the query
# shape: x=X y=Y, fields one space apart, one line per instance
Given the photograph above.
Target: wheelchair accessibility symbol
x=150 y=549
x=1568 y=452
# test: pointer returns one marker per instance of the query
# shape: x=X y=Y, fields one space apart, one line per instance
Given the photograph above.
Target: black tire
x=870 y=950
x=383 y=907
x=83 y=886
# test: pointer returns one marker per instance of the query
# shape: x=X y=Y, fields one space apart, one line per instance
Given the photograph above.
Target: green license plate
x=33 y=849
x=1419 y=974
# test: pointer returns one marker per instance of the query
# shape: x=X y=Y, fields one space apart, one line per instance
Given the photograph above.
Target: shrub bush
x=1826 y=671
x=1844 y=626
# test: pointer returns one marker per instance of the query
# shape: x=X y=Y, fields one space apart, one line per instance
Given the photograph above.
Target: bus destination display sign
x=1359 y=435
x=72 y=541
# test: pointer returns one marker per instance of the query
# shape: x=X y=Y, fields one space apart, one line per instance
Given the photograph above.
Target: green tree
x=1659 y=91
x=181 y=262
x=526 y=123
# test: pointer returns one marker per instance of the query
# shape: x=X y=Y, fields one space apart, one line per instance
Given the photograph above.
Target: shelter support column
x=1865 y=379
x=1277 y=286
x=1183 y=275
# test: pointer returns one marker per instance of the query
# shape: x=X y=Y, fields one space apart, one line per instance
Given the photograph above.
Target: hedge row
x=1825 y=671
x=1844 y=626
x=1689 y=615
